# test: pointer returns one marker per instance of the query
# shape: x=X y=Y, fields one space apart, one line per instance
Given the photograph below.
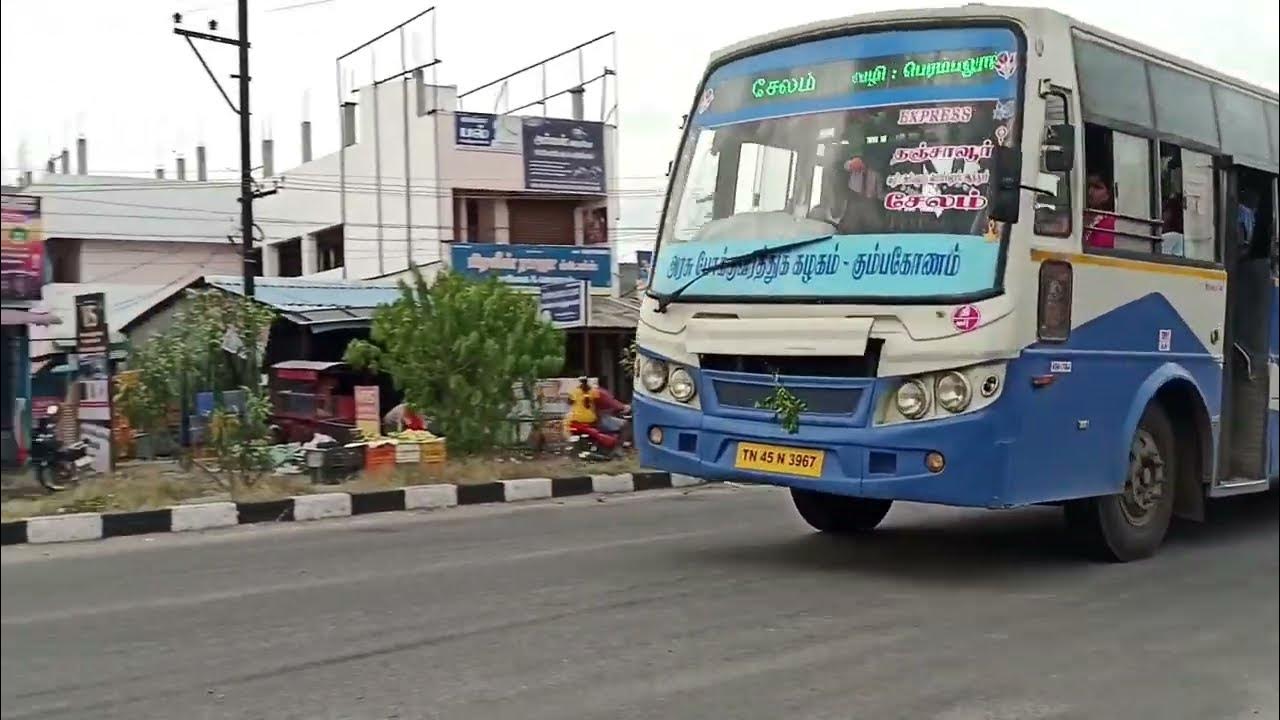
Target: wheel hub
x=1145 y=484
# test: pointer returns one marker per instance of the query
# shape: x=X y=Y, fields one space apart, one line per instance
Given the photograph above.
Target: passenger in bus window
x=1248 y=210
x=1101 y=228
x=1172 y=240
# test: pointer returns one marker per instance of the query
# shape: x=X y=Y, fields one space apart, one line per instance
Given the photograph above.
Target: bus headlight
x=912 y=399
x=954 y=393
x=653 y=374
x=682 y=387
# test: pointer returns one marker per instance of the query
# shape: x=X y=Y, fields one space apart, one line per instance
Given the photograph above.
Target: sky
x=116 y=73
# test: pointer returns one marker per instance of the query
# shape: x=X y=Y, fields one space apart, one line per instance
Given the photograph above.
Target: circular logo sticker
x=966 y=318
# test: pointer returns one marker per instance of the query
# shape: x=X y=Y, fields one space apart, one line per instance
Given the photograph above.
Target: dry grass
x=149 y=486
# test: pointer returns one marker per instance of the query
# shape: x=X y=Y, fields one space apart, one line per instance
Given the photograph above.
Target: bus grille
x=827 y=401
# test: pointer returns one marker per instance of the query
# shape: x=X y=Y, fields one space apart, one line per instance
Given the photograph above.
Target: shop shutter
x=541 y=222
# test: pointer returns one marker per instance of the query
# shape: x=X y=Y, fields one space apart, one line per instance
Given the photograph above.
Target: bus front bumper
x=887 y=462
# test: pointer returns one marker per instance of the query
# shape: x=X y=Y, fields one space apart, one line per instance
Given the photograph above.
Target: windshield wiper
x=735 y=261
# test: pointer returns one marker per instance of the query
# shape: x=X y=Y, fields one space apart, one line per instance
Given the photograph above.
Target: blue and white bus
x=980 y=256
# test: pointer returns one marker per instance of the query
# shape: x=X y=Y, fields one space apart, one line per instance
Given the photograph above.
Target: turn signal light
x=655 y=435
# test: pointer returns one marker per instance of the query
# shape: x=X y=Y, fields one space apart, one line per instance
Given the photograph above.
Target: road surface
x=716 y=603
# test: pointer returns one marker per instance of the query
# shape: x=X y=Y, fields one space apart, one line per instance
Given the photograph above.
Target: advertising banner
x=492 y=133
x=564 y=155
x=368 y=409
x=565 y=304
x=92 y=345
x=534 y=265
x=21 y=248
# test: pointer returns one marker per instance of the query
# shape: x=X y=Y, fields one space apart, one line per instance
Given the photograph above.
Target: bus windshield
x=883 y=141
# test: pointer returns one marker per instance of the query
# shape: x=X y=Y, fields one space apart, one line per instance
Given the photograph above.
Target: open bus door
x=1242 y=443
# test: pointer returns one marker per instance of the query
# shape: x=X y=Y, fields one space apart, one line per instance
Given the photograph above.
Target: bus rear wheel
x=1132 y=525
x=839 y=514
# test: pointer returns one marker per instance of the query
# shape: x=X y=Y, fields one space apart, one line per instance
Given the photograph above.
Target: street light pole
x=246 y=163
x=247 y=193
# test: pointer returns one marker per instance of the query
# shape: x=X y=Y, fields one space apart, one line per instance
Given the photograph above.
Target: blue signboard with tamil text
x=564 y=304
x=564 y=155
x=534 y=264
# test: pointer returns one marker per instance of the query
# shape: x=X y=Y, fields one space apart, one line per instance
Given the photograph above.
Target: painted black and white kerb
x=319 y=506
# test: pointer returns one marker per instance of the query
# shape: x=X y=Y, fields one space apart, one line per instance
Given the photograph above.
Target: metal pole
x=377 y=165
x=437 y=186
x=246 y=162
x=408 y=204
x=342 y=166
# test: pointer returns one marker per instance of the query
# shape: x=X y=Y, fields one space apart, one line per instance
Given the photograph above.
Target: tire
x=1132 y=525
x=839 y=514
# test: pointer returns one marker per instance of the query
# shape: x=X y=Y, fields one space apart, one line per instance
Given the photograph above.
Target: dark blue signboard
x=534 y=264
x=480 y=131
x=564 y=155
x=564 y=304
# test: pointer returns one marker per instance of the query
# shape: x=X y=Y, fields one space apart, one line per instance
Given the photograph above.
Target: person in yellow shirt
x=592 y=410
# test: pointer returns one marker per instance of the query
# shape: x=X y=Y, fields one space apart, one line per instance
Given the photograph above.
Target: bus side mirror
x=1006 y=181
x=1059 y=148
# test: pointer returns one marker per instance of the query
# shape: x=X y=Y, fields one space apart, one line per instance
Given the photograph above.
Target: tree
x=211 y=345
x=458 y=349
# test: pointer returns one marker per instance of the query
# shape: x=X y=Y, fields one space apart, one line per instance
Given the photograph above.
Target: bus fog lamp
x=935 y=462
x=682 y=387
x=912 y=399
x=655 y=435
x=653 y=374
x=953 y=392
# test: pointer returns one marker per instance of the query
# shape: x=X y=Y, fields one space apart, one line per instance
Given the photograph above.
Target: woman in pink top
x=1101 y=228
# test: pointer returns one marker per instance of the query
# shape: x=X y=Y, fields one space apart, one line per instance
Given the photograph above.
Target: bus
x=983 y=257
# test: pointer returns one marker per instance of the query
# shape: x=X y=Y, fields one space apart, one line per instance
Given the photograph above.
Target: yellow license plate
x=780 y=460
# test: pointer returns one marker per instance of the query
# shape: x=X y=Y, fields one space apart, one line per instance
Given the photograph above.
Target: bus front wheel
x=839 y=514
x=1132 y=524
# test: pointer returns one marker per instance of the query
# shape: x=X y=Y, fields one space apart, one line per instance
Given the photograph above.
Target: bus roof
x=1032 y=16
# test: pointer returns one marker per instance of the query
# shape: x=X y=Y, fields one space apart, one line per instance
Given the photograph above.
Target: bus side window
x=1053 y=213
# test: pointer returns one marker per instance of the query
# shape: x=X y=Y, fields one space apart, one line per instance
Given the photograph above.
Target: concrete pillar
x=420 y=92
x=577 y=95
x=270 y=261
x=501 y=222
x=306 y=141
x=268 y=158
x=65 y=159
x=310 y=260
x=159 y=173
x=202 y=168
x=182 y=168
x=579 y=225
x=82 y=156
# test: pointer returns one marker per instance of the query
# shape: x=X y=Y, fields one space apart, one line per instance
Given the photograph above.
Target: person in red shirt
x=1100 y=231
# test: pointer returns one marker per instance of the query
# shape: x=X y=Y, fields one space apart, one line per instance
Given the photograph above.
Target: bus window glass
x=1184 y=105
x=1243 y=124
x=1273 y=125
x=902 y=128
x=1053 y=214
x=1131 y=187
x=1113 y=85
x=1197 y=214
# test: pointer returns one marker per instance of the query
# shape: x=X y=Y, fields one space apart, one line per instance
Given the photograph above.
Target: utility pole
x=247 y=193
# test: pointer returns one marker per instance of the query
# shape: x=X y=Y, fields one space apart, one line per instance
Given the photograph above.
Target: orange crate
x=380 y=457
x=434 y=452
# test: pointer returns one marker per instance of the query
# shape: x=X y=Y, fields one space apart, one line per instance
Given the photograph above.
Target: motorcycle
x=56 y=465
x=592 y=443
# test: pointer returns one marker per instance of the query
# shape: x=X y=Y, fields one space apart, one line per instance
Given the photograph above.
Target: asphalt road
x=712 y=604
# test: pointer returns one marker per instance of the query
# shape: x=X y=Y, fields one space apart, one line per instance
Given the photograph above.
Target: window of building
x=330 y=248
x=289 y=258
x=1053 y=213
x=64 y=260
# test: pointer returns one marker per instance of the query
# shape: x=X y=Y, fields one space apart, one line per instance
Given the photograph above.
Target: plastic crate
x=379 y=458
x=434 y=452
x=408 y=452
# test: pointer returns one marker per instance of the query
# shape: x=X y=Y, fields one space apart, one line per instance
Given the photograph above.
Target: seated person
x=595 y=409
x=1100 y=229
